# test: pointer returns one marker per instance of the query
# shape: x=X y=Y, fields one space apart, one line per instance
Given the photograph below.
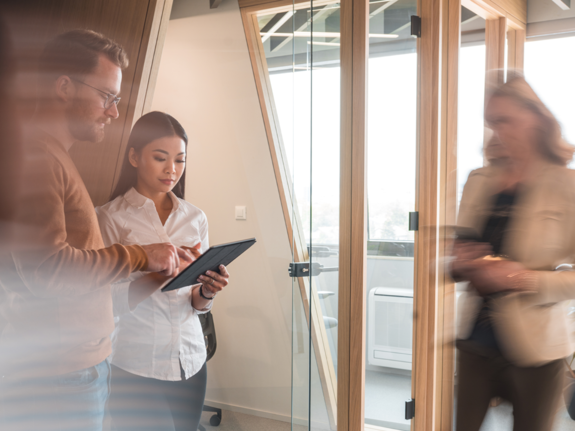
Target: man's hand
x=166 y=258
x=194 y=253
x=195 y=250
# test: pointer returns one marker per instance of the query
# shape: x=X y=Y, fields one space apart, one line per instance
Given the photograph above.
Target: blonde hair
x=551 y=143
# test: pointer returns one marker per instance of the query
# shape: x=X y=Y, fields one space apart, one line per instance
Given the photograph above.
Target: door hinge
x=414 y=220
x=409 y=409
x=415 y=26
x=303 y=269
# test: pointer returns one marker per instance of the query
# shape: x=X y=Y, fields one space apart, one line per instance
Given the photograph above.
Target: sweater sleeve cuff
x=138 y=257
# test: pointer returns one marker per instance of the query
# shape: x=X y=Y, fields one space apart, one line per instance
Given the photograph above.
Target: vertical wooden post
x=447 y=215
x=353 y=215
x=515 y=54
x=431 y=81
x=495 y=32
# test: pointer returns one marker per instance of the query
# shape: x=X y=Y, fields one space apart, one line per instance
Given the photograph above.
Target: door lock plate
x=303 y=269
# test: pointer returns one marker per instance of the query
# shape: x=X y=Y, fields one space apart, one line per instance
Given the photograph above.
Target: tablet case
x=222 y=254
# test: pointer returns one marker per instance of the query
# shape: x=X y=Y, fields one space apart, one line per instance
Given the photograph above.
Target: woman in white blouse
x=158 y=360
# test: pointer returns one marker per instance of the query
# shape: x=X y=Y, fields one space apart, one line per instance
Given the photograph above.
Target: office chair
x=209 y=330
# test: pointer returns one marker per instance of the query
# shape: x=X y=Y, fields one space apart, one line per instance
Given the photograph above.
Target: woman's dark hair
x=154 y=125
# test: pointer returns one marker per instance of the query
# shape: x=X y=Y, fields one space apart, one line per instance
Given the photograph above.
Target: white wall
x=206 y=82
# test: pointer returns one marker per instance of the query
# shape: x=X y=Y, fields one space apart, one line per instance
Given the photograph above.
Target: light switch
x=241 y=213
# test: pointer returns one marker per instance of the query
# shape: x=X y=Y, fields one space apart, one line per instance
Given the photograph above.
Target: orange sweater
x=58 y=280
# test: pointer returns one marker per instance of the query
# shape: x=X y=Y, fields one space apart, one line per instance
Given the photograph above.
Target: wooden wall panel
x=132 y=23
x=146 y=71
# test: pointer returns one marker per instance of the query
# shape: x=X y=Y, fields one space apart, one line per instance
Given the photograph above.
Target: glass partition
x=392 y=145
x=470 y=118
x=471 y=97
x=301 y=57
x=543 y=59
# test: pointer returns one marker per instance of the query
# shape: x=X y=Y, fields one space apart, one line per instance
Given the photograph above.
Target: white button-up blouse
x=163 y=330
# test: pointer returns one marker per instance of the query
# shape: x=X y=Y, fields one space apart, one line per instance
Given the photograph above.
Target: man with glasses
x=54 y=369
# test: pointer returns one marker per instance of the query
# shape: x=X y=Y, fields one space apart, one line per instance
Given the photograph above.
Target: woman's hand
x=465 y=254
x=213 y=282
x=488 y=276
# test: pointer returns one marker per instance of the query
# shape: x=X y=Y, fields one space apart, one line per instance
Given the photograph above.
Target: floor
x=385 y=397
x=500 y=419
x=232 y=421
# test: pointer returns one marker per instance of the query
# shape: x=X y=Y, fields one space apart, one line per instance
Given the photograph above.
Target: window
x=549 y=68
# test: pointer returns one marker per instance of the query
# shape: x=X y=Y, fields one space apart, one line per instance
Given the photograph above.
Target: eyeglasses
x=110 y=98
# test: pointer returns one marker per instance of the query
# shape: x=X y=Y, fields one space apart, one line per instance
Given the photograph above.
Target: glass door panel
x=392 y=134
x=471 y=97
x=543 y=58
x=300 y=47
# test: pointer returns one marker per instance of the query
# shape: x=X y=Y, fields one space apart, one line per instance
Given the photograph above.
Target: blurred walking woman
x=516 y=224
x=158 y=360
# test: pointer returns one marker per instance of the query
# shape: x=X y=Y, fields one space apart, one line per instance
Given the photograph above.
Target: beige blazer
x=533 y=328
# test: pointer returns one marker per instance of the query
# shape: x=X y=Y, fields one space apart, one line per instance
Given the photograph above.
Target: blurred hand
x=195 y=250
x=166 y=258
x=213 y=282
x=194 y=253
x=465 y=253
x=488 y=276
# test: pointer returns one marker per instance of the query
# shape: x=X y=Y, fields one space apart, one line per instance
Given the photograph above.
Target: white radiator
x=390 y=327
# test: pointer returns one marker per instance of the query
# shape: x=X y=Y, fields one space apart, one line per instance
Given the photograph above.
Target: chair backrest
x=209 y=330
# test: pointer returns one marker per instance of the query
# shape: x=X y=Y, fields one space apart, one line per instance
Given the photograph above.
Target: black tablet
x=222 y=254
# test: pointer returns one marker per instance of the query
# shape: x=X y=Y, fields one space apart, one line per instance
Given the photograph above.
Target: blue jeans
x=70 y=402
x=145 y=404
